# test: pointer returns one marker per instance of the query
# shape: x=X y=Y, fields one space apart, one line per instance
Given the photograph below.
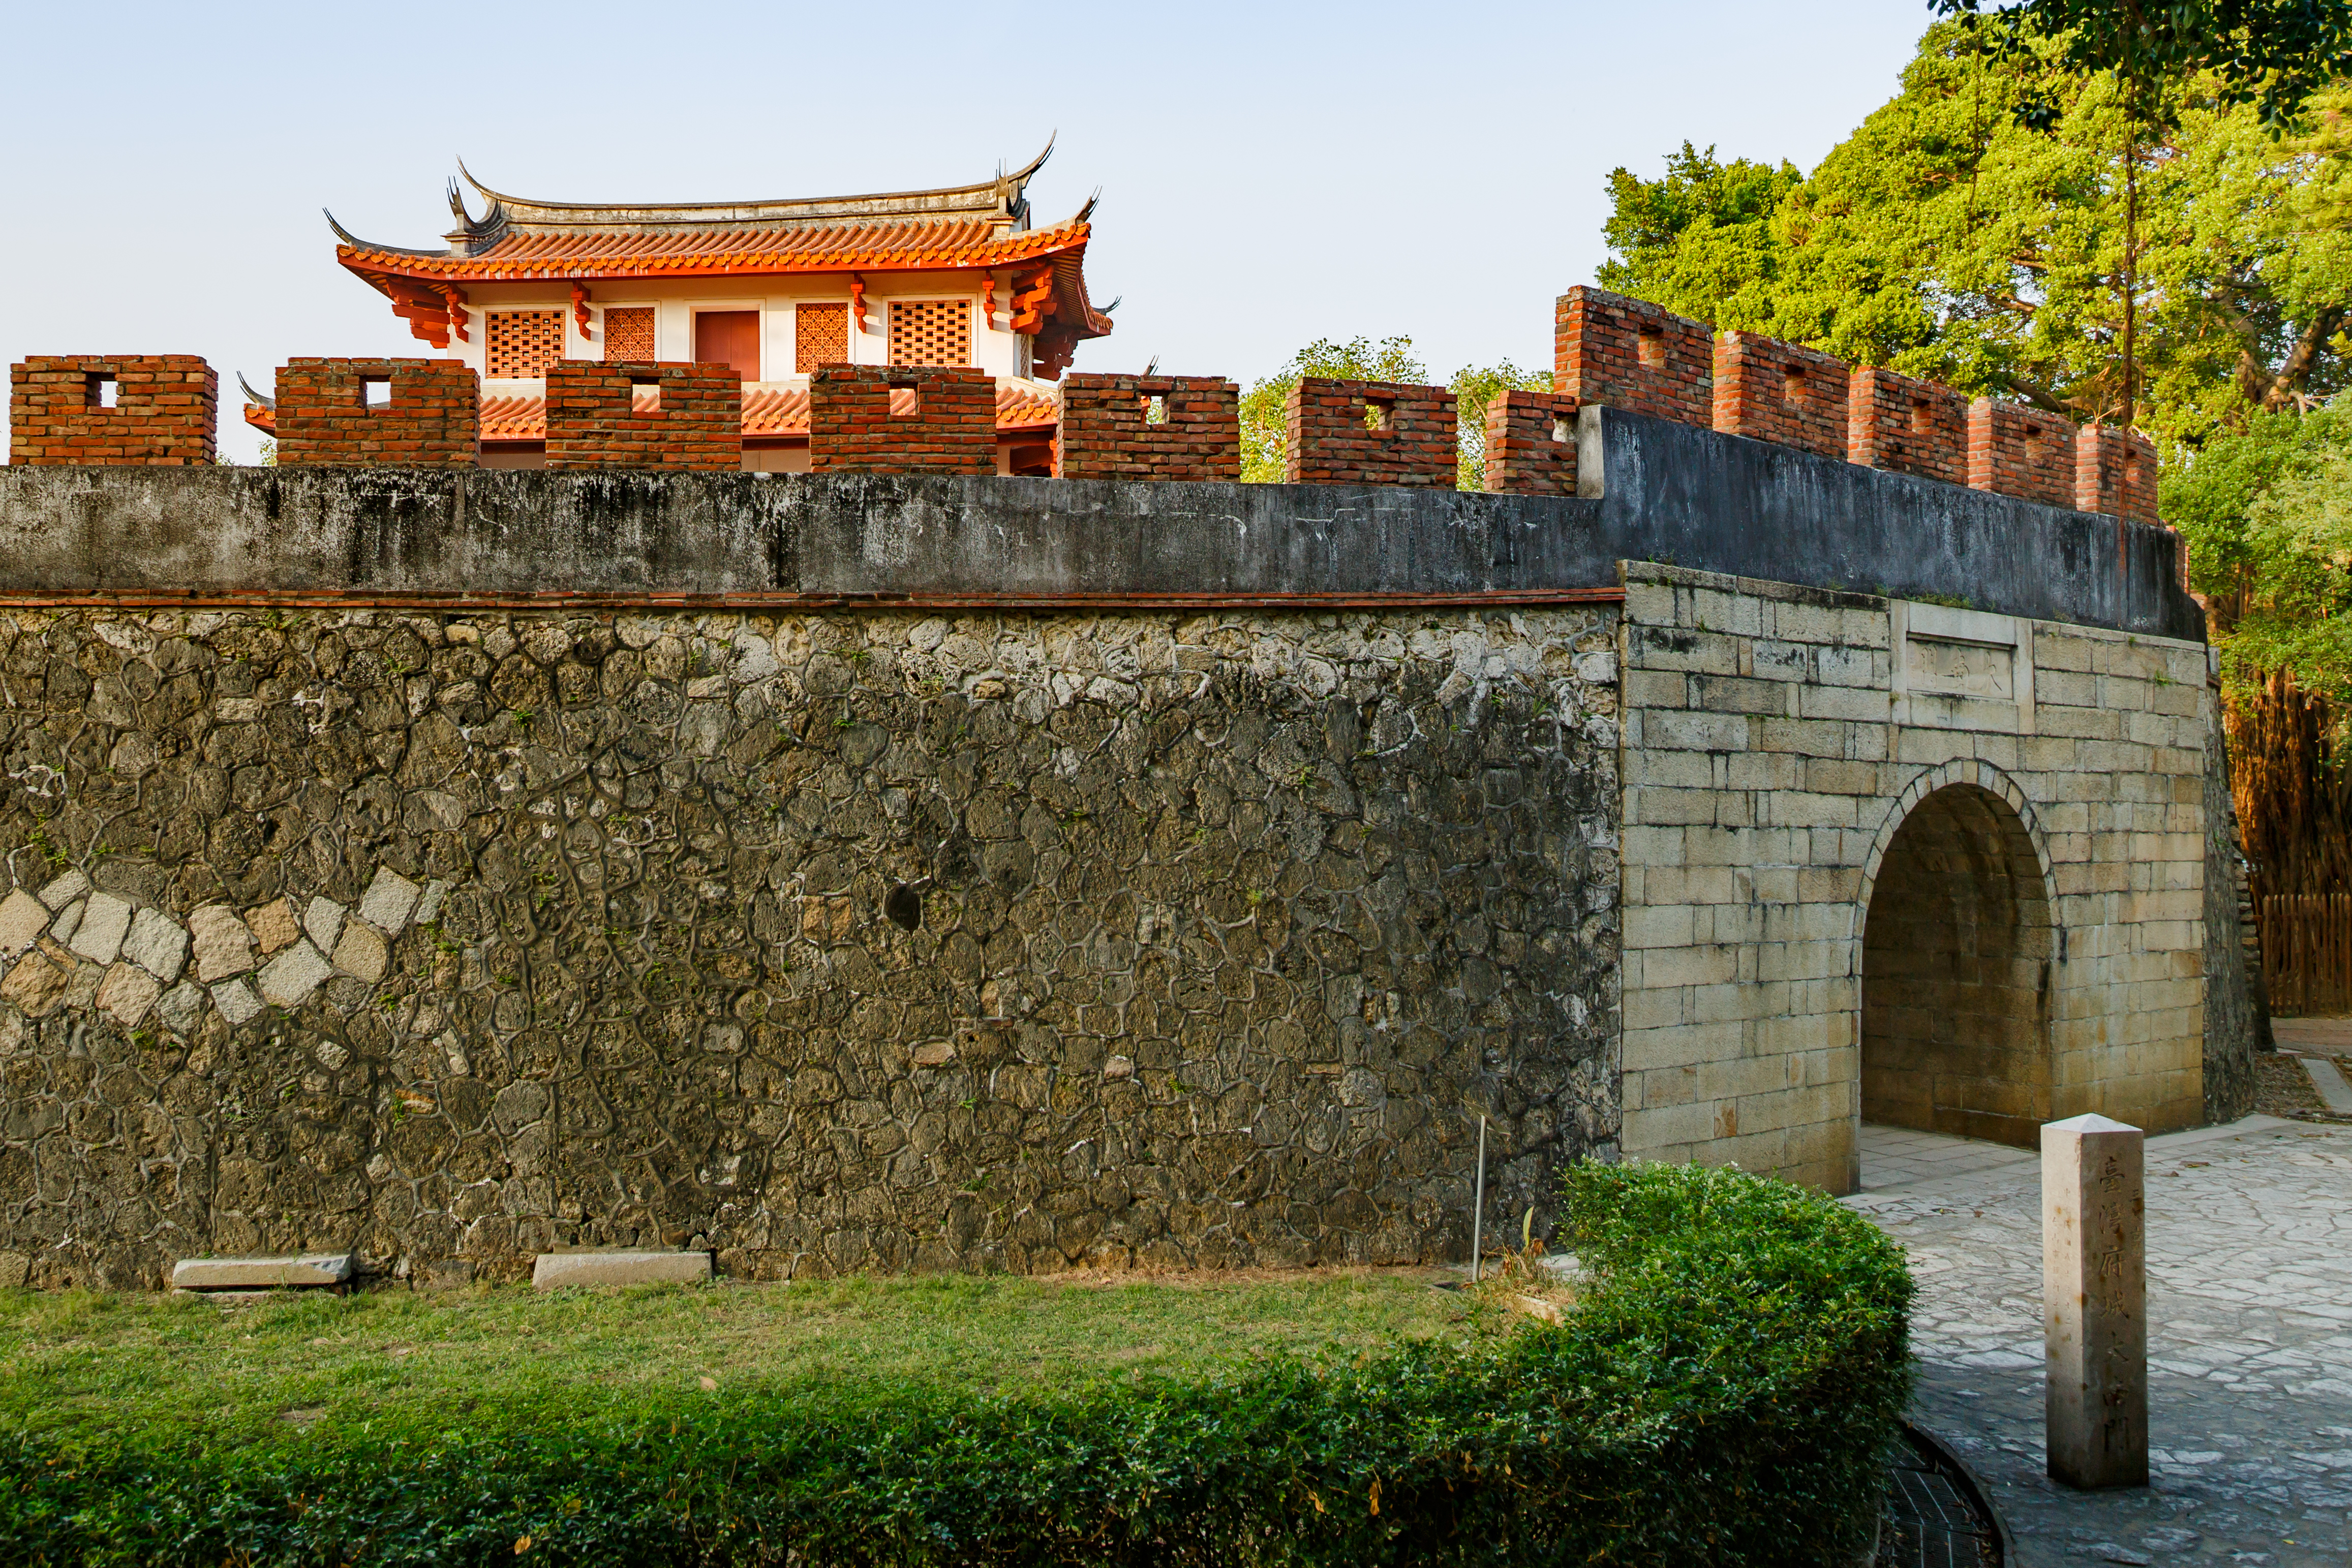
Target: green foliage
x=1973 y=230
x=2270 y=54
x=1723 y=1393
x=1700 y=241
x=2268 y=516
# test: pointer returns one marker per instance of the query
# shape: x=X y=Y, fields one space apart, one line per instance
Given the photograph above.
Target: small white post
x=1478 y=1205
x=2095 y=1302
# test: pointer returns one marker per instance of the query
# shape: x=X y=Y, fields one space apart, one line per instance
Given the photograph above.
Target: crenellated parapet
x=1609 y=351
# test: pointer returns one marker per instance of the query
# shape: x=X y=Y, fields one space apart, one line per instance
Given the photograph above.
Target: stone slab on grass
x=619 y=1266
x=294 y=1270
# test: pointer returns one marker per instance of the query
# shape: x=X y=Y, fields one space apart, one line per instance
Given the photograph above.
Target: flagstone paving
x=2250 y=1344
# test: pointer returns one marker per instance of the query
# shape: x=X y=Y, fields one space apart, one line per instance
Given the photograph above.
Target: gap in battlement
x=104 y=390
x=376 y=393
x=1155 y=408
x=1379 y=414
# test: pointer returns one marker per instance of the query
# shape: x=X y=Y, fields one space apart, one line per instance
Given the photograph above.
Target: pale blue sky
x=1270 y=173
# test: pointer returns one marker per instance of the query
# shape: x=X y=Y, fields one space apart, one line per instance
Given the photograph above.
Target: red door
x=728 y=338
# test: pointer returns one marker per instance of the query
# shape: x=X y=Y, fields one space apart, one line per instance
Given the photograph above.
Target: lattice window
x=629 y=335
x=819 y=337
x=524 y=343
x=930 y=331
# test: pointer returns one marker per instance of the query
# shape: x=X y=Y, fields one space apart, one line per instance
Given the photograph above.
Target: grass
x=84 y=1365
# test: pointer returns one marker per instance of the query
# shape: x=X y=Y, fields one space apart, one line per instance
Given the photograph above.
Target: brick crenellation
x=1779 y=393
x=1107 y=430
x=1633 y=355
x=431 y=419
x=1531 y=444
x=655 y=414
x=1369 y=432
x=2022 y=452
x=166 y=410
x=905 y=419
x=1906 y=425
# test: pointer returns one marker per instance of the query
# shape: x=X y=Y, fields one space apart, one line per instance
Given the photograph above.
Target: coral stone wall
x=869 y=941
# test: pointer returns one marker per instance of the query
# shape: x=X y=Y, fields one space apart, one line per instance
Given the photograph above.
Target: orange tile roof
x=768 y=412
x=934 y=246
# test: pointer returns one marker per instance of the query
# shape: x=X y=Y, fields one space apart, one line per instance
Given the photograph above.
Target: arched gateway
x=1956 y=971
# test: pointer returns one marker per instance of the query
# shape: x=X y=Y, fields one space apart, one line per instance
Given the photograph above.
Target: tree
x=1700 y=240
x=1955 y=237
x=2270 y=53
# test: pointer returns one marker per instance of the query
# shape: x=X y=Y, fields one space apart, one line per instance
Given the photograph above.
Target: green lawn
x=86 y=1365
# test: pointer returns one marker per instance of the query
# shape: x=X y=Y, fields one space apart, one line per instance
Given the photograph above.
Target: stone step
x=618 y=1266
x=294 y=1270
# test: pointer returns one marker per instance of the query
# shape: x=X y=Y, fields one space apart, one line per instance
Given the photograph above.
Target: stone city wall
x=821 y=941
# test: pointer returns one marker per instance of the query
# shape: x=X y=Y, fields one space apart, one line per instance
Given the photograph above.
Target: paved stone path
x=2250 y=1310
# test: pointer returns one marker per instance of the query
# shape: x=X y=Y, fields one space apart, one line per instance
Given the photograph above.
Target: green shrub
x=1723 y=1394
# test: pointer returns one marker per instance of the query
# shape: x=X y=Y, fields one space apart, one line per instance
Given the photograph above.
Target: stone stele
x=619 y=1266
x=2095 y=1302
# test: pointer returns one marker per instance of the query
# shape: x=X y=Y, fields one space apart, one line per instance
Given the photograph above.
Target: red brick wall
x=433 y=420
x=1329 y=442
x=1104 y=433
x=1630 y=354
x=952 y=430
x=1907 y=427
x=1523 y=458
x=593 y=421
x=1775 y=391
x=2114 y=472
x=2022 y=452
x=166 y=413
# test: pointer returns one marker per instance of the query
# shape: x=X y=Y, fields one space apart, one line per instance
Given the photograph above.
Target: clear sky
x=1270 y=173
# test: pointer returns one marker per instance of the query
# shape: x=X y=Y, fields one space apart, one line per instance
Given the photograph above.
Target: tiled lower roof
x=768 y=412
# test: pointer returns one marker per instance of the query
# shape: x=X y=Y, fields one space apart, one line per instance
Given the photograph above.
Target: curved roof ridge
x=1003 y=191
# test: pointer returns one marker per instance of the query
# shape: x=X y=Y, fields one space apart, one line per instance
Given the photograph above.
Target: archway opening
x=1955 y=970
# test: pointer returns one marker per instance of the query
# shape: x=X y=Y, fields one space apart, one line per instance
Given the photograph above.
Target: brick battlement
x=1633 y=355
x=1106 y=430
x=2114 y=472
x=2022 y=452
x=1775 y=391
x=1907 y=427
x=855 y=422
x=1531 y=444
x=166 y=410
x=432 y=418
x=647 y=415
x=1609 y=351
x=1369 y=432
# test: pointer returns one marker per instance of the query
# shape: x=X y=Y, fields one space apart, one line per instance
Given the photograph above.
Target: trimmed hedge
x=1724 y=1395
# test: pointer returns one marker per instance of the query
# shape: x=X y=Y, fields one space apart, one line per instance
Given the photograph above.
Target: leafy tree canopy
x=1951 y=238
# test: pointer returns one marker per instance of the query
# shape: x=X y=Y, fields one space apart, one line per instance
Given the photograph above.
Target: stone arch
x=1957 y=954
